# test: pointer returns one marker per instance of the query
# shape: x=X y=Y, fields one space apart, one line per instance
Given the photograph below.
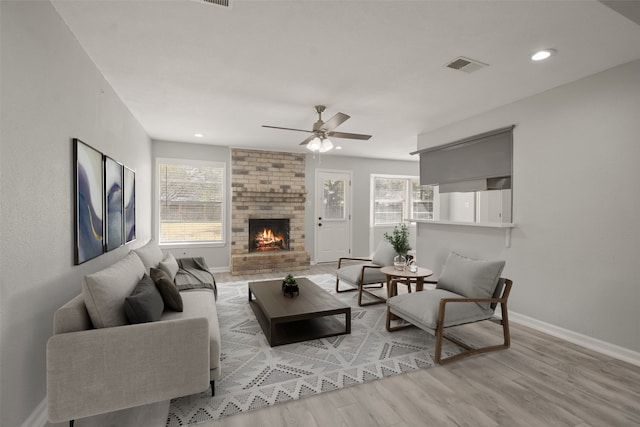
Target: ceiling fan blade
x=348 y=135
x=334 y=122
x=277 y=127
x=306 y=141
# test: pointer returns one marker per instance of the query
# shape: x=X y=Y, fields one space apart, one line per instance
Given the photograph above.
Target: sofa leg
x=71 y=423
x=213 y=388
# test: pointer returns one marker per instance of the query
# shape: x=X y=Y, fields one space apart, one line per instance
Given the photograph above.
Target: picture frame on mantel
x=113 y=193
x=129 y=205
x=89 y=202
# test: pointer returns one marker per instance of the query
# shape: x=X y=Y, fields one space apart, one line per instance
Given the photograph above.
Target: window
x=191 y=201
x=397 y=198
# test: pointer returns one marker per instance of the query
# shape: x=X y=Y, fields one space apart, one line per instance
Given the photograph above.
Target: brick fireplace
x=267 y=186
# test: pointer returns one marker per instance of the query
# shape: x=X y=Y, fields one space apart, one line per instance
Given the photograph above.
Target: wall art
x=113 y=184
x=129 y=205
x=89 y=206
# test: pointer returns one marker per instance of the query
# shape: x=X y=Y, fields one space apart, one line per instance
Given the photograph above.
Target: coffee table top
x=312 y=299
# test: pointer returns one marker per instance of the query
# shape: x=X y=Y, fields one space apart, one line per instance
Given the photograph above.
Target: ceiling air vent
x=465 y=64
x=224 y=3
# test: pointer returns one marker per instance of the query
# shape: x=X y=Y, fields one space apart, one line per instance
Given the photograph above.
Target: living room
x=572 y=253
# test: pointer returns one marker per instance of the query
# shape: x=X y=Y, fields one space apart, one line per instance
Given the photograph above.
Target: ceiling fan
x=319 y=140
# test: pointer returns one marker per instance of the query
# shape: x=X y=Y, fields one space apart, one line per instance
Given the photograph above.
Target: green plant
x=399 y=239
x=289 y=279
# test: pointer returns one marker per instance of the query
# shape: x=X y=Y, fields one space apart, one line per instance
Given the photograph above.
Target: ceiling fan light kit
x=319 y=140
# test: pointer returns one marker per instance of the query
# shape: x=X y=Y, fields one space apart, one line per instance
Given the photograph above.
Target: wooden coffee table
x=311 y=314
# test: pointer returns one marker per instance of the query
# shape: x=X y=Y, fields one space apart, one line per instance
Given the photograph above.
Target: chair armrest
x=351 y=259
x=103 y=370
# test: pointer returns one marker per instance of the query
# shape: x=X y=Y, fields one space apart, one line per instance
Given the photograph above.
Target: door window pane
x=333 y=199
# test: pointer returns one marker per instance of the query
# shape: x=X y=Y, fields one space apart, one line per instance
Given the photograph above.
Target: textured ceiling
x=186 y=67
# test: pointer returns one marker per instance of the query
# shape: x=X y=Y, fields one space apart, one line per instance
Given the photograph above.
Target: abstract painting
x=129 y=205
x=113 y=178
x=89 y=206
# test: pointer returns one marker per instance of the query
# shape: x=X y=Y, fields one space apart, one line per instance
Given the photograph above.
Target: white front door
x=333 y=215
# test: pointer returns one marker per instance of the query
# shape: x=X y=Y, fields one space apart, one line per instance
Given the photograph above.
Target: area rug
x=255 y=375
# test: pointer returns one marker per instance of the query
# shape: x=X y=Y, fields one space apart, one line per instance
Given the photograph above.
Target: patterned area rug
x=256 y=375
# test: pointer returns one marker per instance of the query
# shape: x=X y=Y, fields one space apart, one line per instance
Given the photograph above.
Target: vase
x=399 y=262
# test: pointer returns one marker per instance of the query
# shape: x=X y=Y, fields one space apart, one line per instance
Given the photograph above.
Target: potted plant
x=290 y=286
x=399 y=239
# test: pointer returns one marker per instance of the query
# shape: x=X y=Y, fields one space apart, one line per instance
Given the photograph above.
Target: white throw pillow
x=169 y=265
x=150 y=254
x=104 y=292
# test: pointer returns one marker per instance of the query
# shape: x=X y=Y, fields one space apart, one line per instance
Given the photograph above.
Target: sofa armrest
x=103 y=370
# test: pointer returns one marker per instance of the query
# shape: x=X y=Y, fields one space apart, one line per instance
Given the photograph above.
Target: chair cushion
x=421 y=309
x=150 y=254
x=145 y=302
x=352 y=273
x=470 y=278
x=104 y=292
x=169 y=265
x=384 y=254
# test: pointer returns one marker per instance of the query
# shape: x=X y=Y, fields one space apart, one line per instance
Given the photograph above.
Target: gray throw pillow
x=145 y=302
x=469 y=277
x=168 y=290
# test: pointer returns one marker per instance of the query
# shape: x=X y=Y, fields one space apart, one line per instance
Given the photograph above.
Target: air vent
x=465 y=64
x=224 y=3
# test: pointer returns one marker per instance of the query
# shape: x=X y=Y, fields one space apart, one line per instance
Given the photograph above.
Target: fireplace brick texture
x=266 y=184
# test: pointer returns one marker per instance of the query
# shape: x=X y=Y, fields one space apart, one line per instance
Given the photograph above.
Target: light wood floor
x=539 y=381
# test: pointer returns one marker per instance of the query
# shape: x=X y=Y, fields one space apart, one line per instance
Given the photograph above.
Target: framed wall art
x=129 y=205
x=113 y=184
x=89 y=202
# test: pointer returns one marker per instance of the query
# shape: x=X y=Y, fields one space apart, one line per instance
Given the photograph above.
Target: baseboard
x=220 y=269
x=594 y=344
x=38 y=417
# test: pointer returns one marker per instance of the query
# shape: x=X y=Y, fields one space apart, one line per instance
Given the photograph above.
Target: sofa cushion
x=104 y=292
x=145 y=302
x=168 y=291
x=202 y=303
x=384 y=254
x=169 y=265
x=421 y=309
x=469 y=277
x=150 y=254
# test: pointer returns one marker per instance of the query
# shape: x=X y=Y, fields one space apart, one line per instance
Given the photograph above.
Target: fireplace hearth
x=268 y=235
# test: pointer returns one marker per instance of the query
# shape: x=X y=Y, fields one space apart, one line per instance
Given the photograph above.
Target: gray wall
x=51 y=92
x=574 y=251
x=364 y=238
x=216 y=256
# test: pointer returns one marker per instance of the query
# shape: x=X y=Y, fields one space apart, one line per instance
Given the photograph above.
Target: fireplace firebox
x=266 y=234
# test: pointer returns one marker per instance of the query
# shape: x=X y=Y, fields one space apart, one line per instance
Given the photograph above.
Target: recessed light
x=543 y=54
x=198 y=135
x=338 y=148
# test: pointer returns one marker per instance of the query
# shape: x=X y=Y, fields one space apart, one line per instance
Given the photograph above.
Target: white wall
x=575 y=249
x=364 y=238
x=216 y=256
x=51 y=93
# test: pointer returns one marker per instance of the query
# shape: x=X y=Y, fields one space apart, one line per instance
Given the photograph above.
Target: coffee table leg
x=347 y=320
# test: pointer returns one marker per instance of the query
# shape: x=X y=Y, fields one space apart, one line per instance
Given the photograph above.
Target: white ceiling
x=184 y=67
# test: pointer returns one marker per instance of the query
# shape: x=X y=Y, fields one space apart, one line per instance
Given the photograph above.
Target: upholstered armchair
x=364 y=273
x=467 y=291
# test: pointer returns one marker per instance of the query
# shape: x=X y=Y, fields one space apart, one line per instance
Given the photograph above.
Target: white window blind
x=191 y=201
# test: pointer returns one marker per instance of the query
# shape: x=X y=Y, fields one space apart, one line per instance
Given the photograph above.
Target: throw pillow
x=169 y=265
x=384 y=254
x=170 y=295
x=469 y=277
x=145 y=302
x=104 y=291
x=150 y=254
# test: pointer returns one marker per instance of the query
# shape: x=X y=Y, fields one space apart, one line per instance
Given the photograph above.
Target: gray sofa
x=97 y=362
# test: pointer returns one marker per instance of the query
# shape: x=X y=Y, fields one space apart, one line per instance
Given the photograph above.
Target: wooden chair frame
x=471 y=351
x=362 y=288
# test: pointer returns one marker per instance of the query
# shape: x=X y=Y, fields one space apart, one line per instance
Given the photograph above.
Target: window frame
x=407 y=202
x=223 y=213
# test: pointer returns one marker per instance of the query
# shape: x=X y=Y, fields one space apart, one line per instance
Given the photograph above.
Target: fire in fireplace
x=268 y=235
